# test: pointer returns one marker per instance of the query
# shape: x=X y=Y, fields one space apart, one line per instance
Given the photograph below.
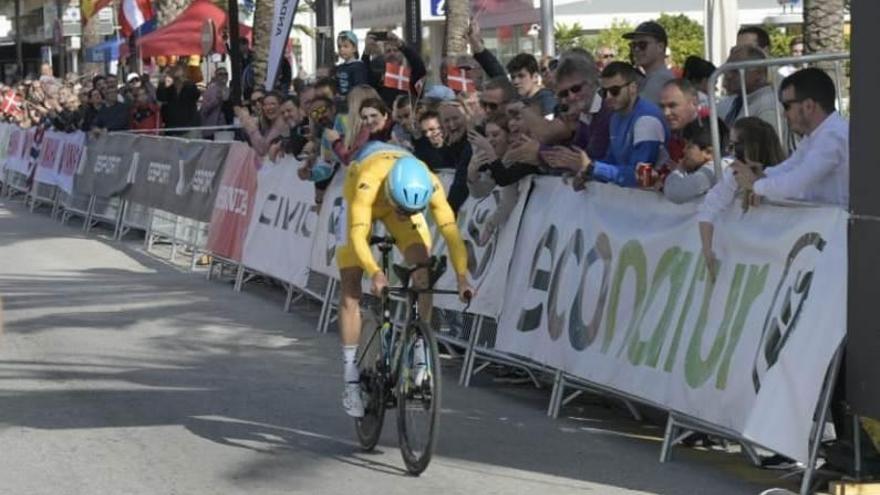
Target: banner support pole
x=818 y=429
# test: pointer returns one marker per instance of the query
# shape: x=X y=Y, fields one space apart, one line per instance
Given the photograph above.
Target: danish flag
x=397 y=77
x=457 y=79
x=11 y=104
x=134 y=14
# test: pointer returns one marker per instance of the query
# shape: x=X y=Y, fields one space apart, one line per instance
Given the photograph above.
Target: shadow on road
x=234 y=370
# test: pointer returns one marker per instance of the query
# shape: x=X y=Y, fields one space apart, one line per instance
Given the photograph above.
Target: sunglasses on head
x=612 y=90
x=638 y=45
x=570 y=91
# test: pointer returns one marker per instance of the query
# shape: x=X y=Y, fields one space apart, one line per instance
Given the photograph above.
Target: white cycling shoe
x=352 y=401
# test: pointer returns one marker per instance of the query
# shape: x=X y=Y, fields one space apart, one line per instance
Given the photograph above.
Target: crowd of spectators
x=592 y=117
x=588 y=117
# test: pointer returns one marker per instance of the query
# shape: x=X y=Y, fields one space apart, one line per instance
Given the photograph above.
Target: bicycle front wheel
x=418 y=397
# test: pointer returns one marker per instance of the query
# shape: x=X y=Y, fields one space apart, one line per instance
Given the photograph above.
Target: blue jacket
x=637 y=137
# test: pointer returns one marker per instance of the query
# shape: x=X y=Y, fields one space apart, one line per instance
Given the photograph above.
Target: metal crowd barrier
x=741 y=67
x=470 y=337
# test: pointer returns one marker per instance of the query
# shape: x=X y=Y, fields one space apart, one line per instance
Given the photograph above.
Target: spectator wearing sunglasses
x=585 y=117
x=818 y=171
x=648 y=45
x=496 y=94
x=638 y=134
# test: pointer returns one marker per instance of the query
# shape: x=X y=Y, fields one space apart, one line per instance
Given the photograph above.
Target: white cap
x=131 y=76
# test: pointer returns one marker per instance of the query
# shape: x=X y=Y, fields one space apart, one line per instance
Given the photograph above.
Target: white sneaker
x=352 y=401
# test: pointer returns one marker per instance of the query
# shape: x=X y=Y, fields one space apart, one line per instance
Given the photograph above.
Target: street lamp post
x=19 y=56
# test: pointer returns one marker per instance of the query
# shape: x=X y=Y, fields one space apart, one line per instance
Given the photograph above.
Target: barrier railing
x=742 y=67
x=472 y=336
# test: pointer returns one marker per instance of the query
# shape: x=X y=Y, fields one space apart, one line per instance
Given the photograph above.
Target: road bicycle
x=400 y=366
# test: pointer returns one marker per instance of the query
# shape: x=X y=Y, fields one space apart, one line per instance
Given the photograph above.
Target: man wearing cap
x=648 y=46
x=352 y=71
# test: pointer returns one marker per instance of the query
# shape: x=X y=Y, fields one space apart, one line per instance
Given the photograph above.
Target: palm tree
x=823 y=27
x=568 y=36
x=265 y=10
x=457 y=21
x=168 y=10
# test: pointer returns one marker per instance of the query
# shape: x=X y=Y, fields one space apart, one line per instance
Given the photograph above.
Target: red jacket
x=146 y=117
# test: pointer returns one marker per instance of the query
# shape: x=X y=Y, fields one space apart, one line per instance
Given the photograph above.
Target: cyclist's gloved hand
x=380 y=283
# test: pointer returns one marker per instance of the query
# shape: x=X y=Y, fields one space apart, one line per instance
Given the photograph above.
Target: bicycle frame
x=391 y=352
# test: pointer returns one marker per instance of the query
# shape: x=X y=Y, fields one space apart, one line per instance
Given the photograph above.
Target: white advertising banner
x=610 y=285
x=282 y=228
x=490 y=250
x=59 y=158
x=5 y=132
x=282 y=20
x=18 y=149
x=330 y=220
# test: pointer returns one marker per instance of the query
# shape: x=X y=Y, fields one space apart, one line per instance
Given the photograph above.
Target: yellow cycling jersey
x=366 y=202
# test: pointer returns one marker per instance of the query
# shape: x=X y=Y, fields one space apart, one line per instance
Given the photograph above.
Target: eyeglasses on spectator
x=639 y=45
x=612 y=90
x=575 y=89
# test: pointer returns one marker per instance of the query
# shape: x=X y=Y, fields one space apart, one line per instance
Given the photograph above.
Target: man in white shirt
x=818 y=171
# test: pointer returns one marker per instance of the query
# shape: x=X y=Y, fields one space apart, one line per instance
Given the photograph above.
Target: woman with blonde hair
x=348 y=126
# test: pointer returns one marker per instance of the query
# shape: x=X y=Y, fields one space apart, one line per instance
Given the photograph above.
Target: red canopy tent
x=183 y=36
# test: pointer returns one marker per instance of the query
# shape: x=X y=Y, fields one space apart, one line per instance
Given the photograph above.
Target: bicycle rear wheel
x=375 y=391
x=418 y=397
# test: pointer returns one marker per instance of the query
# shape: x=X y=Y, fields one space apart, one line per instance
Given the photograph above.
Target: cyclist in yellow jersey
x=389 y=184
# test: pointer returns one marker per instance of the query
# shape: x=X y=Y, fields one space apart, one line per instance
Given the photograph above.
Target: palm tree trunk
x=91 y=38
x=823 y=27
x=457 y=20
x=168 y=10
x=263 y=13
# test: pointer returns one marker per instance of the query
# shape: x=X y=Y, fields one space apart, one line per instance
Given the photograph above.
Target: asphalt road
x=123 y=374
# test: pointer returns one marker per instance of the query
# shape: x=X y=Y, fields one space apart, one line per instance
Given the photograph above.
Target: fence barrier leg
x=87 y=223
x=470 y=350
x=239 y=277
x=558 y=388
x=632 y=410
x=668 y=439
x=819 y=428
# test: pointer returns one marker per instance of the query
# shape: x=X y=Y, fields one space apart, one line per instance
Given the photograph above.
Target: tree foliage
x=612 y=36
x=780 y=40
x=685 y=37
x=568 y=36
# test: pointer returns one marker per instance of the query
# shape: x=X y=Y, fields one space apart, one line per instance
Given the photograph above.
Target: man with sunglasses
x=648 y=45
x=638 y=134
x=818 y=171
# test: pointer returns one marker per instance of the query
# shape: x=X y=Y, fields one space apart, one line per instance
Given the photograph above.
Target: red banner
x=234 y=203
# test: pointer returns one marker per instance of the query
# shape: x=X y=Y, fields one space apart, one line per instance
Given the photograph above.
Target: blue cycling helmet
x=409 y=185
